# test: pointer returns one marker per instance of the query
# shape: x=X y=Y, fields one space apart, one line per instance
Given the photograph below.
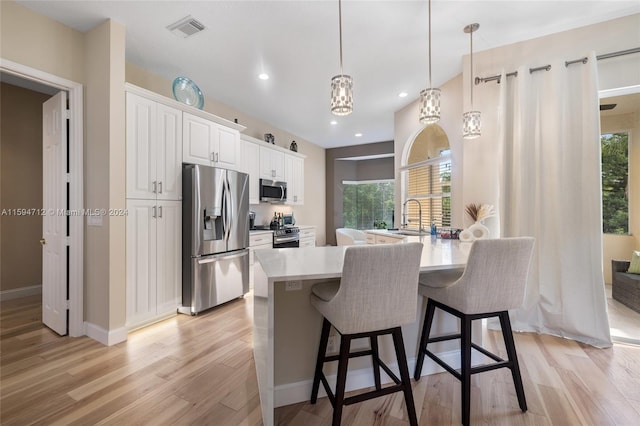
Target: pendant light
x=341 y=85
x=471 y=119
x=429 y=98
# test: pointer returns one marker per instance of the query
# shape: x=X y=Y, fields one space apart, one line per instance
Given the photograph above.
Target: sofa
x=625 y=287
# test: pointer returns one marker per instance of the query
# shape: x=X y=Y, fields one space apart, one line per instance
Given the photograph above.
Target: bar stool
x=377 y=293
x=493 y=282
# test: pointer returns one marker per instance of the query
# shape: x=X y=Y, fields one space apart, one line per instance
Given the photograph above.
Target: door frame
x=76 y=184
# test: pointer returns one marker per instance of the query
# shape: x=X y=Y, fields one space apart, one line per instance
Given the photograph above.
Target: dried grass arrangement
x=479 y=212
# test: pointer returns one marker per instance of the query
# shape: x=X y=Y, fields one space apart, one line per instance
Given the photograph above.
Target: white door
x=196 y=140
x=169 y=153
x=228 y=148
x=141 y=142
x=169 y=256
x=54 y=223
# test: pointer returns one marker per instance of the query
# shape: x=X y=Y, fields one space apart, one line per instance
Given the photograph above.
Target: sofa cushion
x=634 y=267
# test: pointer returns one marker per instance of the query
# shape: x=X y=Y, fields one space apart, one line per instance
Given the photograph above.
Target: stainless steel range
x=289 y=236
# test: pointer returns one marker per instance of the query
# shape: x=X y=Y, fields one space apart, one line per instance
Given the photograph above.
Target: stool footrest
x=372 y=394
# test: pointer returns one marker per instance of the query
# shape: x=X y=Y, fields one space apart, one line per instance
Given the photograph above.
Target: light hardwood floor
x=200 y=370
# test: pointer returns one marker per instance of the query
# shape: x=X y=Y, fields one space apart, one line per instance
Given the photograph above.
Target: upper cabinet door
x=294 y=176
x=271 y=164
x=196 y=140
x=154 y=150
x=141 y=138
x=169 y=153
x=250 y=164
x=226 y=147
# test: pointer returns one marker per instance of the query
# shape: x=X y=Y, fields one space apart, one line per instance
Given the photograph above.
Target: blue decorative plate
x=187 y=92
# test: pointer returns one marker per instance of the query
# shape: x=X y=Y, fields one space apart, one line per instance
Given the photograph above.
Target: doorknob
x=43 y=241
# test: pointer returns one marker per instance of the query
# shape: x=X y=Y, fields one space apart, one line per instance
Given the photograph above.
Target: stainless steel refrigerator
x=215 y=237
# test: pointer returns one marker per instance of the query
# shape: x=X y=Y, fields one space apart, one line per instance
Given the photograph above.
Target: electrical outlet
x=332 y=344
x=293 y=285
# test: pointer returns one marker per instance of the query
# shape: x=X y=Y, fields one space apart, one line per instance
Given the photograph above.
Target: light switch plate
x=293 y=285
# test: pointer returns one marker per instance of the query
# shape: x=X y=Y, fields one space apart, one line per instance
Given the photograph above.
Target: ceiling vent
x=186 y=27
x=606 y=107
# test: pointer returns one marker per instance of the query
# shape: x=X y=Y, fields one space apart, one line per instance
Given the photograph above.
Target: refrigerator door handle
x=229 y=210
x=225 y=257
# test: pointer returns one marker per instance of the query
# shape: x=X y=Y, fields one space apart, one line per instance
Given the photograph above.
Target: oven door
x=283 y=242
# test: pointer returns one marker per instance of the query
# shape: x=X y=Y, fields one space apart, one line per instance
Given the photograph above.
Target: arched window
x=427 y=178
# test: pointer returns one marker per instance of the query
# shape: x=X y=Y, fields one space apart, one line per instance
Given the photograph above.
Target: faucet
x=404 y=214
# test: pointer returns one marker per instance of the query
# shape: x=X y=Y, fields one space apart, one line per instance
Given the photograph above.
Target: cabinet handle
x=160 y=186
x=155 y=212
x=216 y=156
x=160 y=211
x=155 y=186
x=212 y=156
x=273 y=173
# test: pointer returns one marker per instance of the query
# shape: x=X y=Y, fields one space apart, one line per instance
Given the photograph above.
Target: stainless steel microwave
x=273 y=191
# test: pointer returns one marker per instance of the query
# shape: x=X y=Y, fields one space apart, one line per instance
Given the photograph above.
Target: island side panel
x=263 y=344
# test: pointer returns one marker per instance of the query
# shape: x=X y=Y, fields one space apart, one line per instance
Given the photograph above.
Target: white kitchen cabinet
x=209 y=143
x=154 y=149
x=258 y=240
x=294 y=176
x=375 y=238
x=307 y=236
x=271 y=164
x=250 y=164
x=154 y=272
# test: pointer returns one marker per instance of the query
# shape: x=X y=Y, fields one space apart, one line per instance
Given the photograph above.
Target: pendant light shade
x=429 y=98
x=471 y=119
x=341 y=85
x=342 y=95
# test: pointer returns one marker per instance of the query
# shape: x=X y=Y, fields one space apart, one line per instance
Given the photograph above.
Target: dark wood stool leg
x=375 y=356
x=341 y=381
x=398 y=343
x=426 y=329
x=509 y=343
x=322 y=350
x=465 y=370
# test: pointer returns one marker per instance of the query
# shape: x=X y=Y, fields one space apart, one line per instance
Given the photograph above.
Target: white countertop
x=326 y=262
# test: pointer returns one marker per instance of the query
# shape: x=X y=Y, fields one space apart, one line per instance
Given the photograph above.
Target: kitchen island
x=287 y=327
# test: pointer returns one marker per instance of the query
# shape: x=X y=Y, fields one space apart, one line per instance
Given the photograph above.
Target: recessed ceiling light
x=358 y=135
x=263 y=76
x=403 y=94
x=333 y=122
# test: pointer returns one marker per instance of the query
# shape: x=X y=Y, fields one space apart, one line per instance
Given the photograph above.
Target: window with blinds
x=430 y=183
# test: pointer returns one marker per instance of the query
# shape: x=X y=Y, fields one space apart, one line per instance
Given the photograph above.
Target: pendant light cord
x=471 y=67
x=340 y=25
x=430 y=85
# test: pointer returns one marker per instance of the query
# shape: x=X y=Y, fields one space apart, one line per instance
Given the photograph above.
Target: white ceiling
x=296 y=43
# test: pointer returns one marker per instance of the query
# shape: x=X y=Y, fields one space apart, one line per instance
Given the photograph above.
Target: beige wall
x=96 y=60
x=105 y=295
x=21 y=170
x=312 y=212
x=620 y=246
x=337 y=171
x=34 y=40
x=407 y=127
x=473 y=180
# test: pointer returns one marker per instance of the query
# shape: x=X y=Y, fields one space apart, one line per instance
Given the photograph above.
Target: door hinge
x=67 y=114
x=67 y=241
x=67 y=177
x=68 y=304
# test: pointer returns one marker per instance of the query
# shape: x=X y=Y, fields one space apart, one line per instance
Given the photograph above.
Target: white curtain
x=550 y=188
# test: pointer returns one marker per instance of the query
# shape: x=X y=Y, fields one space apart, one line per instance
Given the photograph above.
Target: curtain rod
x=584 y=60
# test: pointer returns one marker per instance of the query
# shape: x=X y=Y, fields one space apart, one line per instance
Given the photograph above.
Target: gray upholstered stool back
x=494 y=279
x=378 y=289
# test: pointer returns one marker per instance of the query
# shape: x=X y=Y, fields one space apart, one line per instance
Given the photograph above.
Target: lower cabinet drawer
x=308 y=242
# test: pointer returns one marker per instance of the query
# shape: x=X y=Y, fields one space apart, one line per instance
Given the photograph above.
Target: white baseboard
x=17 y=293
x=292 y=393
x=106 y=337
